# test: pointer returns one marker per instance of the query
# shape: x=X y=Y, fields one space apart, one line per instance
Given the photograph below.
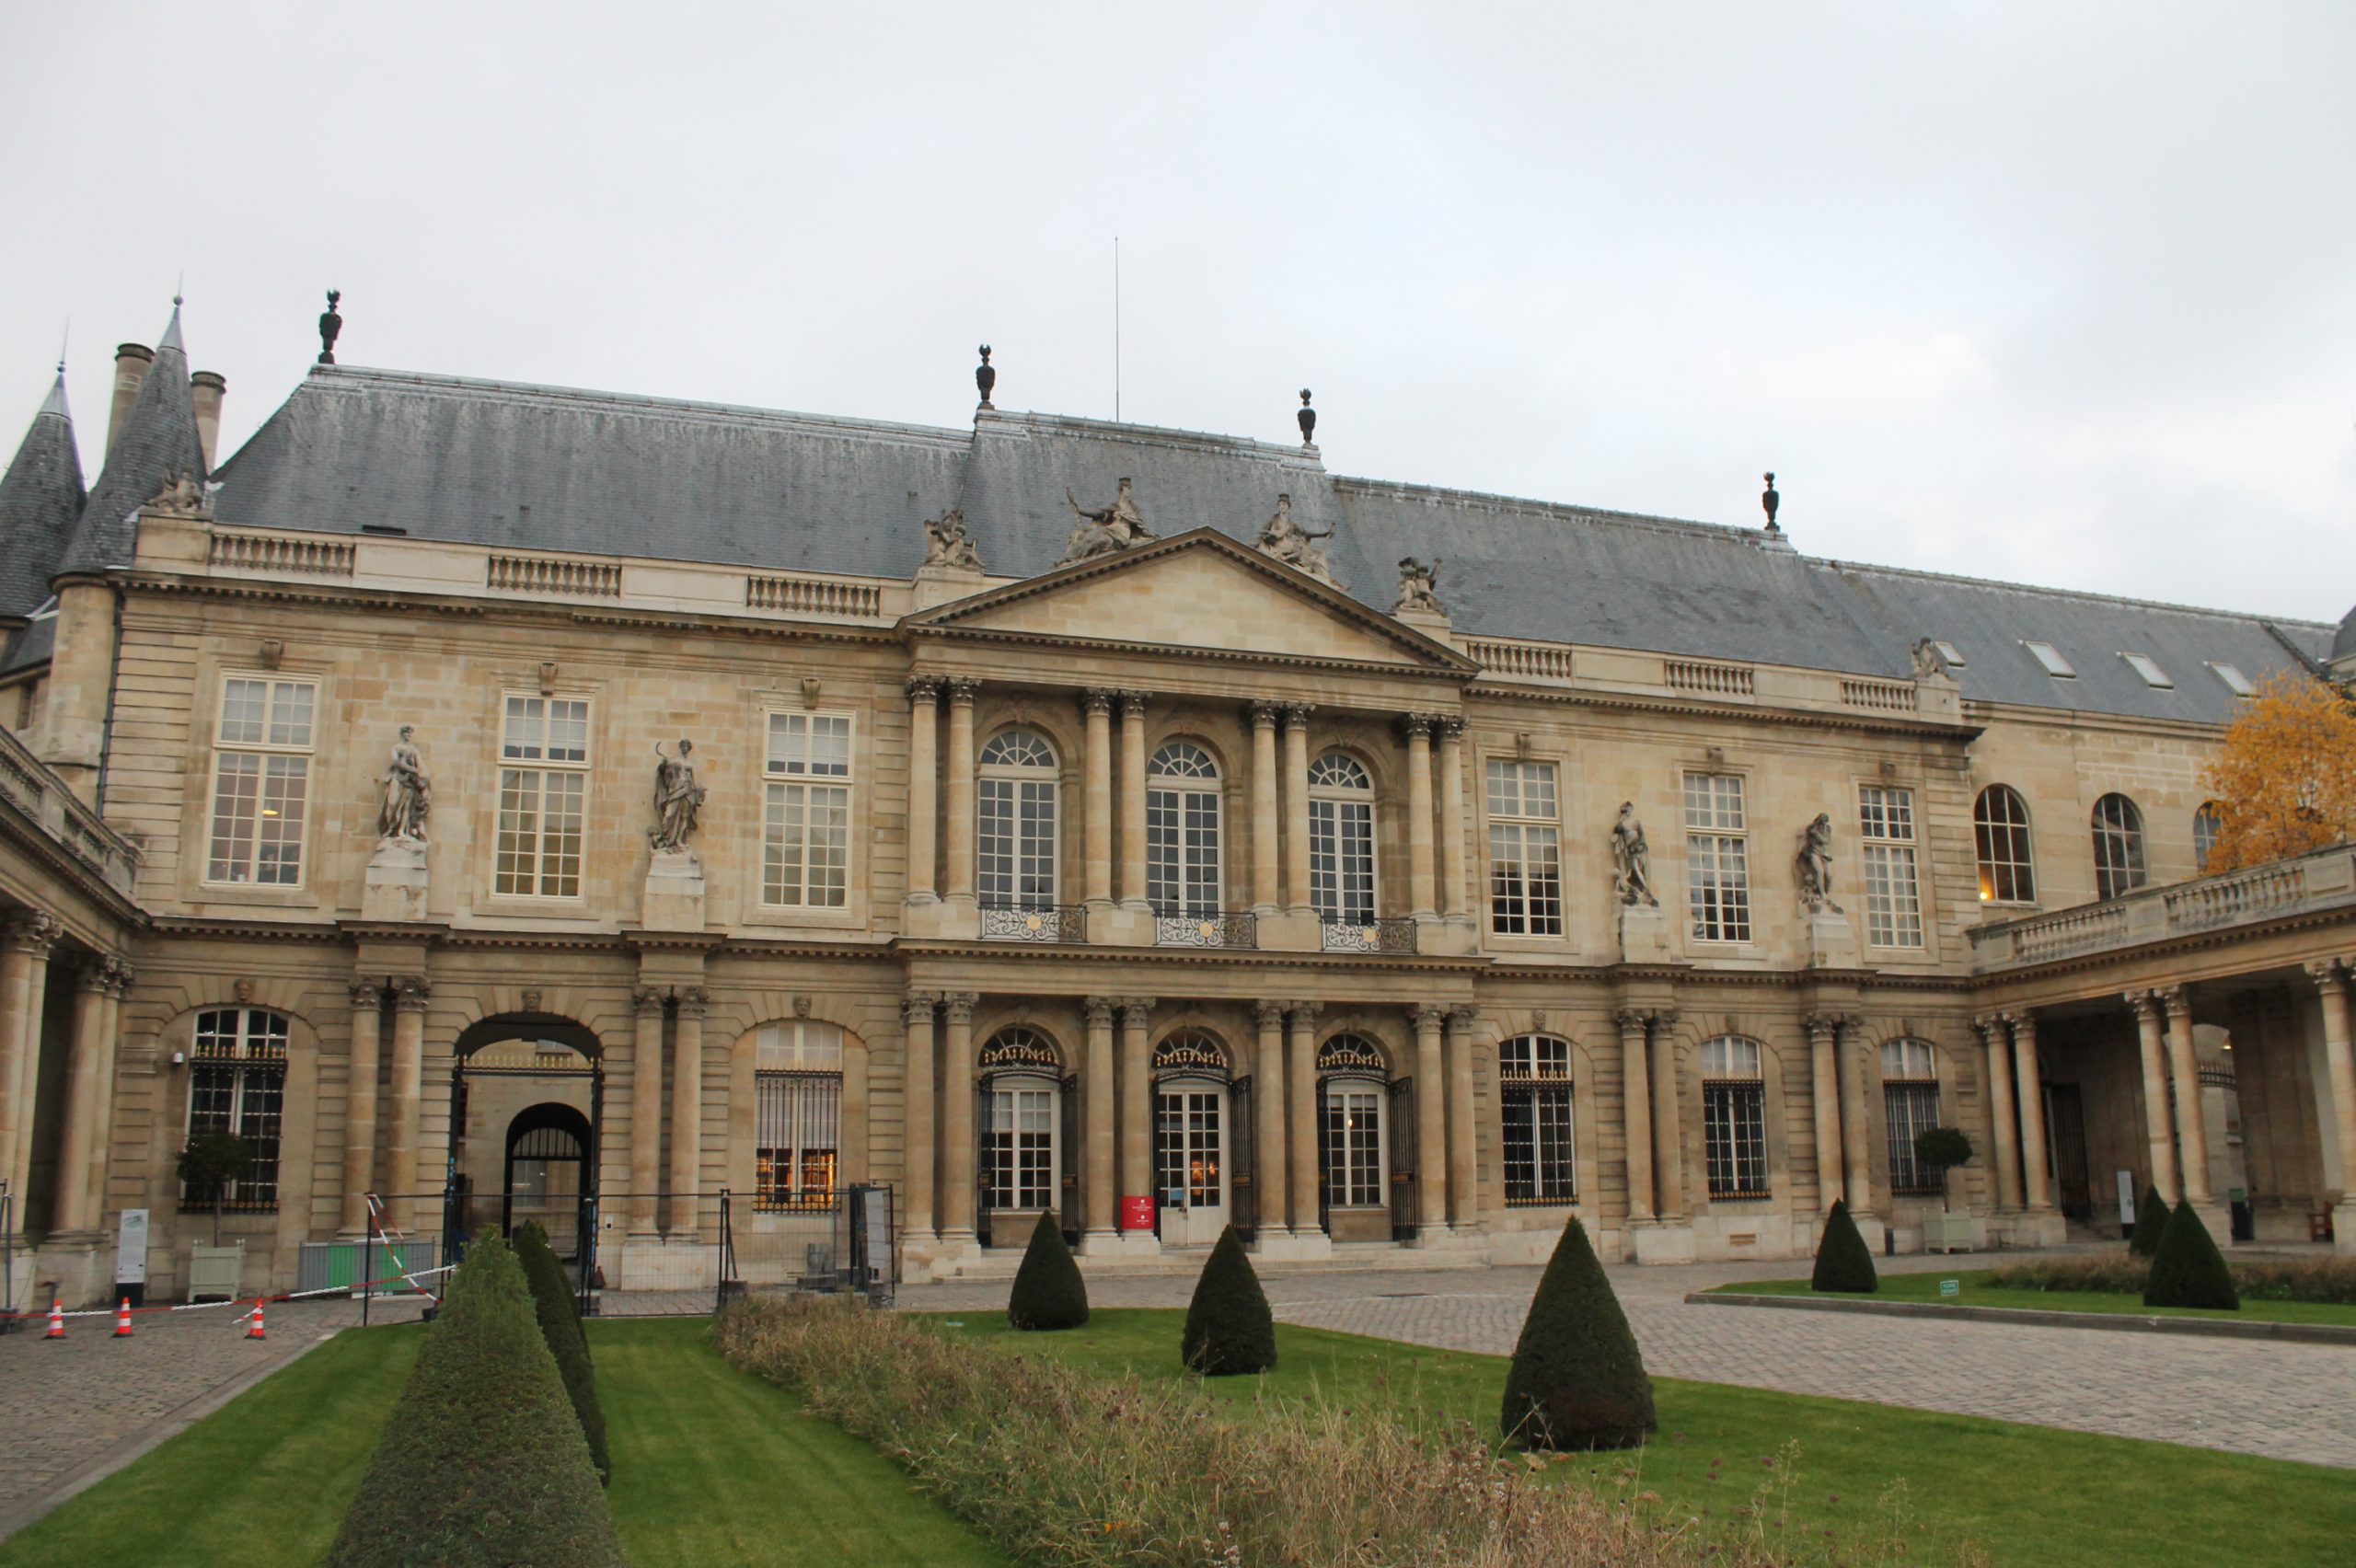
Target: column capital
x=1460 y=1020
x=1426 y=1015
x=1269 y=1014
x=1631 y=1021
x=959 y=1005
x=1304 y=1014
x=2143 y=1003
x=2326 y=973
x=90 y=974
x=918 y=1007
x=962 y=689
x=646 y=999
x=1417 y=726
x=1821 y=1027
x=1133 y=703
x=1097 y=699
x=924 y=689
x=693 y=1000
x=2023 y=1023
x=35 y=933
x=1991 y=1026
x=2176 y=999
x=1136 y=1011
x=1296 y=714
x=412 y=993
x=1665 y=1018
x=1264 y=713
x=1451 y=727
x=1100 y=1011
x=367 y=995
x=119 y=975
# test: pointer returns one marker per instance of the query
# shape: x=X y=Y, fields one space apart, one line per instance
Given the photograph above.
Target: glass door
x=1189 y=1122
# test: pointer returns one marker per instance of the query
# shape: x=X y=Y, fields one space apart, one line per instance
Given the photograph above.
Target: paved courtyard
x=2288 y=1402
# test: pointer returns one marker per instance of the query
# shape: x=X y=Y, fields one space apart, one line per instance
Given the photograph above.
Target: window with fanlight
x=2000 y=837
x=1181 y=832
x=1015 y=838
x=2118 y=847
x=1341 y=838
x=2208 y=824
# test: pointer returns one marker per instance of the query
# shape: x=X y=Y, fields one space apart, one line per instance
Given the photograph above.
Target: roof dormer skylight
x=1947 y=650
x=2050 y=657
x=2235 y=682
x=2152 y=674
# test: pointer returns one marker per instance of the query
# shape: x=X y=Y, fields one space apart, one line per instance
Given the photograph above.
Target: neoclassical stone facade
x=1058 y=814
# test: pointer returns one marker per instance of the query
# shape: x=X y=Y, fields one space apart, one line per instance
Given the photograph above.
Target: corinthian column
x=119 y=979
x=70 y=1207
x=24 y=987
x=958 y=1169
x=1133 y=799
x=2191 y=1123
x=686 y=1111
x=1451 y=816
x=958 y=878
x=1097 y=850
x=1636 y=1115
x=1464 y=1167
x=1297 y=819
x=2340 y=1070
x=1268 y=1113
x=1265 y=890
x=1136 y=1099
x=2158 y=1126
x=2029 y=1082
x=1419 y=816
x=924 y=782
x=360 y=1102
x=1825 y=1082
x=2004 y=1191
x=1097 y=1095
x=1301 y=1059
x=1668 y=1106
x=1431 y=1126
x=918 y=1206
x=1856 y=1124
x=412 y=996
x=645 y=1111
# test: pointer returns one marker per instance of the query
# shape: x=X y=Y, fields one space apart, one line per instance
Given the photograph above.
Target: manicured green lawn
x=1977 y=1292
x=2020 y=1495
x=709 y=1466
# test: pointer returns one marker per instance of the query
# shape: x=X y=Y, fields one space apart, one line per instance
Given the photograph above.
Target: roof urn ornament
x=1770 y=501
x=1308 y=417
x=1418 y=587
x=1294 y=546
x=331 y=327
x=946 y=542
x=986 y=378
x=1106 y=529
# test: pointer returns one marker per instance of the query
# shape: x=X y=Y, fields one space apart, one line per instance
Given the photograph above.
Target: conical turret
x=158 y=442
x=41 y=500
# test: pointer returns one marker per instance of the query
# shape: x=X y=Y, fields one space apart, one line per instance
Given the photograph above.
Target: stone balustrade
x=2322 y=879
x=42 y=798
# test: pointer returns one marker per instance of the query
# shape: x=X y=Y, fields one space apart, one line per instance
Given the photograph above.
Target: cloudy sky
x=2064 y=299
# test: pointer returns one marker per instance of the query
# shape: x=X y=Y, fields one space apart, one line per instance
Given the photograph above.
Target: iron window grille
x=1536 y=1100
x=237 y=1084
x=1733 y=1130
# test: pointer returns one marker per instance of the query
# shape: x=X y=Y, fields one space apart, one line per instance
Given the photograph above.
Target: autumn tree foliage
x=2285 y=780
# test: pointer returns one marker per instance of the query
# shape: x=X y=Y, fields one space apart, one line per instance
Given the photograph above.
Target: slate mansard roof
x=489 y=463
x=40 y=500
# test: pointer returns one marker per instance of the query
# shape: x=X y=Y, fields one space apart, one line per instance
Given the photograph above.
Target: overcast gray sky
x=2060 y=295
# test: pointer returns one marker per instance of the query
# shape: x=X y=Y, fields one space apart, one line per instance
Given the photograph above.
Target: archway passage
x=548 y=1174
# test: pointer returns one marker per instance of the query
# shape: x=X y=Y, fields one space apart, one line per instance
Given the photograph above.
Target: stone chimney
x=131 y=362
x=204 y=389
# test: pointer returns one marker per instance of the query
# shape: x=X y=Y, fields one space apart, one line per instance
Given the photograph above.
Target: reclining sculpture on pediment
x=1294 y=546
x=1106 y=529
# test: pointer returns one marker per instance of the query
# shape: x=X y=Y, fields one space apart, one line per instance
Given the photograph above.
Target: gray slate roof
x=40 y=500
x=491 y=463
x=158 y=438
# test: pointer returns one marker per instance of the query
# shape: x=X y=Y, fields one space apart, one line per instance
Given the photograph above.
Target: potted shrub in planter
x=1941 y=1149
x=207 y=1167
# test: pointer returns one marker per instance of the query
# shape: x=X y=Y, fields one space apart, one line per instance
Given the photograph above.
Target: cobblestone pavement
x=77 y=1409
x=2289 y=1401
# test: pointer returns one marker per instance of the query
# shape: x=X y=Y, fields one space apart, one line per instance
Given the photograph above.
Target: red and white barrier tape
x=41 y=1314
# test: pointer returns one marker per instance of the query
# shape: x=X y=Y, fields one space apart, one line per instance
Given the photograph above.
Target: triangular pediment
x=1202 y=591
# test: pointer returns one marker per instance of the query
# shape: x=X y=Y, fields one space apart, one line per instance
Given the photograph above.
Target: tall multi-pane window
x=1910 y=1095
x=1525 y=849
x=1341 y=838
x=237 y=1085
x=2000 y=830
x=2207 y=823
x=1182 y=836
x=797 y=1115
x=1717 y=859
x=1353 y=1145
x=1734 y=1118
x=1893 y=894
x=261 y=780
x=1534 y=1093
x=2118 y=847
x=805 y=834
x=543 y=796
x=1014 y=844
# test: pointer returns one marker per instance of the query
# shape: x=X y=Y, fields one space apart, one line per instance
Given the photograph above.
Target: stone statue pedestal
x=394 y=888
x=1643 y=934
x=939 y=584
x=1431 y=623
x=1831 y=943
x=673 y=893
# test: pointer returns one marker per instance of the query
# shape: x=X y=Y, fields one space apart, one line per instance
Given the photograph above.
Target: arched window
x=1014 y=844
x=1734 y=1118
x=1023 y=1093
x=1910 y=1097
x=1340 y=839
x=1182 y=833
x=2118 y=847
x=2207 y=823
x=1999 y=825
x=1534 y=1092
x=798 y=1112
x=1352 y=1091
x=236 y=1083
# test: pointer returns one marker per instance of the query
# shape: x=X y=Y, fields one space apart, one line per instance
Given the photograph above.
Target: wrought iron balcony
x=1241 y=931
x=1042 y=923
x=2324 y=879
x=1369 y=936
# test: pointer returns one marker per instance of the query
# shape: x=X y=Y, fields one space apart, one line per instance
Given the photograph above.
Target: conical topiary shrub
x=2189 y=1271
x=1227 y=1326
x=482 y=1461
x=1578 y=1380
x=1048 y=1291
x=1842 y=1261
x=2151 y=1224
x=560 y=1326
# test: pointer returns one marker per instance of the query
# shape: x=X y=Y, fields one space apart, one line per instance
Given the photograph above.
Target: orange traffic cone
x=254 y=1325
x=56 y=1319
x=123 y=1320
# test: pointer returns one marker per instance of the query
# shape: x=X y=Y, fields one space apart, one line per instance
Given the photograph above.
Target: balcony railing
x=2324 y=879
x=1048 y=923
x=1242 y=931
x=1369 y=936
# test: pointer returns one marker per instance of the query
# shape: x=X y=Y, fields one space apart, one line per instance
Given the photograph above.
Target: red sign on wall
x=1136 y=1214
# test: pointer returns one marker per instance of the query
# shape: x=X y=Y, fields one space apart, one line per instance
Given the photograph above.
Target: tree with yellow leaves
x=2285 y=780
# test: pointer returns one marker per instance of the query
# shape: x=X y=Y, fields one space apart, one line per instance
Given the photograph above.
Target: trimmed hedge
x=1843 y=1262
x=1577 y=1380
x=1048 y=1292
x=482 y=1461
x=559 y=1318
x=2189 y=1271
x=2151 y=1224
x=1229 y=1329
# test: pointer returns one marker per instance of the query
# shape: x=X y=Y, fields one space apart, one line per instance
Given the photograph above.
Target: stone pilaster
x=362 y=1062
